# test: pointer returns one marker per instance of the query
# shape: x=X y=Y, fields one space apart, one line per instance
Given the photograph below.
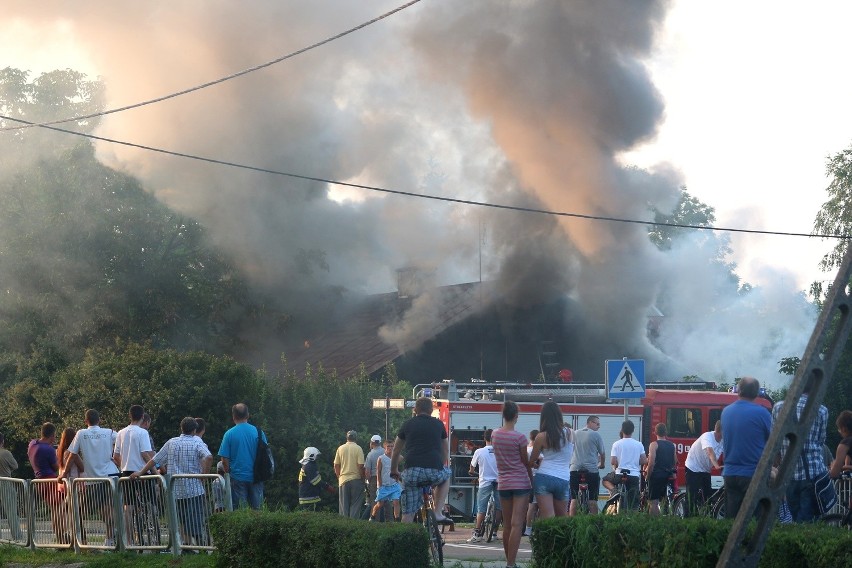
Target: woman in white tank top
x=555 y=444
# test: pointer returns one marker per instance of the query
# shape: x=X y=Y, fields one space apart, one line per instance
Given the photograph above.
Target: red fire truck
x=687 y=408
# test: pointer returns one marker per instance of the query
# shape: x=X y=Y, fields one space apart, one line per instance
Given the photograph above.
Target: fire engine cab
x=688 y=409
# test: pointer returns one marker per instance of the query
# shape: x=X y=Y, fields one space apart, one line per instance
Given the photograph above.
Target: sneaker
x=109 y=542
x=496 y=537
x=475 y=538
x=528 y=531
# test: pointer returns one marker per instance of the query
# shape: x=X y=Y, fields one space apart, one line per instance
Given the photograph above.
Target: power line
x=217 y=81
x=424 y=195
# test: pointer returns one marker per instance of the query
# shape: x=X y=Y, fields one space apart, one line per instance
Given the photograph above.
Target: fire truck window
x=684 y=422
x=715 y=416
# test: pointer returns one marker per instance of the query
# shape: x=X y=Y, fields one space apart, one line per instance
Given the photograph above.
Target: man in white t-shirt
x=484 y=459
x=629 y=454
x=95 y=446
x=702 y=458
x=132 y=444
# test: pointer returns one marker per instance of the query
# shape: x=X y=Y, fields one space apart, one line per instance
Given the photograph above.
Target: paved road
x=487 y=555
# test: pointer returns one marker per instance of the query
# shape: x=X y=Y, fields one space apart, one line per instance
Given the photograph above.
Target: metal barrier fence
x=151 y=513
x=844 y=494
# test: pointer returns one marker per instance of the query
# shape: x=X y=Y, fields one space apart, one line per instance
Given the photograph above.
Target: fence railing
x=155 y=513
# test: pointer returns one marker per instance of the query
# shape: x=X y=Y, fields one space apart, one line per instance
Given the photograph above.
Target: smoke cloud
x=514 y=102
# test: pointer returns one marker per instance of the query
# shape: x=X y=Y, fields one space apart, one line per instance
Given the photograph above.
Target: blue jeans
x=246 y=492
x=802 y=500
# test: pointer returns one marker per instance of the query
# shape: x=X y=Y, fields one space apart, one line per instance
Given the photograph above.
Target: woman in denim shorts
x=555 y=444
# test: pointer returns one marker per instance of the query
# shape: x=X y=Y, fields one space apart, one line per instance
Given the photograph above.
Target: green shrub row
x=590 y=541
x=305 y=539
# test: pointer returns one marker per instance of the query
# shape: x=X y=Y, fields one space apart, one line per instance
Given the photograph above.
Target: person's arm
x=643 y=459
x=445 y=450
x=226 y=464
x=525 y=459
x=378 y=474
x=474 y=461
x=398 y=445
x=538 y=445
x=652 y=455
x=206 y=463
x=362 y=471
x=839 y=460
x=711 y=455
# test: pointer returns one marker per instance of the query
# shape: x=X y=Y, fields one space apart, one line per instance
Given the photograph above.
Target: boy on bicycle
x=487 y=463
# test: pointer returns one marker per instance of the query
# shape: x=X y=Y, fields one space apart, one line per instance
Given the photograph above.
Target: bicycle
x=618 y=502
x=583 y=493
x=713 y=507
x=490 y=523
x=667 y=505
x=426 y=516
x=842 y=520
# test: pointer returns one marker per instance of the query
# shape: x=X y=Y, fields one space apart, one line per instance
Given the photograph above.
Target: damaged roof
x=381 y=328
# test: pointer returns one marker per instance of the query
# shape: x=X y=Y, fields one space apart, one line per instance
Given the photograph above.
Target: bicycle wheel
x=436 y=545
x=488 y=528
x=612 y=505
x=583 y=501
x=679 y=505
x=718 y=511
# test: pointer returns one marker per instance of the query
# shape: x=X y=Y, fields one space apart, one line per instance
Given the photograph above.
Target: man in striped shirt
x=810 y=465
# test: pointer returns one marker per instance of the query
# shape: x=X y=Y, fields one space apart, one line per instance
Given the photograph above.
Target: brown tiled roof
x=356 y=340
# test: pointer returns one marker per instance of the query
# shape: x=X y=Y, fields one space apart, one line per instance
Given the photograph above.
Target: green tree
x=835 y=217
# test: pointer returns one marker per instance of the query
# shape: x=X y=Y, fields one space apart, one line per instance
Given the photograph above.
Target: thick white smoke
x=519 y=102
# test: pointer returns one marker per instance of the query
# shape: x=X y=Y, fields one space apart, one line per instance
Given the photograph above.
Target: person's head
x=593 y=422
x=93 y=418
x=488 y=435
x=510 y=411
x=201 y=427
x=661 y=430
x=844 y=423
x=388 y=448
x=136 y=413
x=552 y=424
x=717 y=431
x=351 y=436
x=220 y=468
x=310 y=454
x=146 y=421
x=65 y=440
x=240 y=412
x=533 y=434
x=2 y=440
x=627 y=428
x=188 y=426
x=748 y=388
x=375 y=441
x=48 y=431
x=423 y=405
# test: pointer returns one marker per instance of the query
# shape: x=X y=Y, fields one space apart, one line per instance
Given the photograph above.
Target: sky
x=531 y=104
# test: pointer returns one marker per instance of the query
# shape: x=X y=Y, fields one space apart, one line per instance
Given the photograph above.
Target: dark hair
x=64 y=441
x=240 y=411
x=533 y=434
x=2 y=439
x=844 y=419
x=48 y=430
x=146 y=418
x=552 y=424
x=92 y=417
x=592 y=418
x=136 y=413
x=487 y=435
x=661 y=430
x=510 y=410
x=627 y=427
x=188 y=425
x=423 y=405
x=201 y=425
x=748 y=388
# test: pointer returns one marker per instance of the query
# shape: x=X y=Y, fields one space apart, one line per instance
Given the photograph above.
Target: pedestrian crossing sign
x=625 y=378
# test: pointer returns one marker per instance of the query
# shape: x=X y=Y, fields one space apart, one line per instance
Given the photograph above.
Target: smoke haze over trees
x=519 y=103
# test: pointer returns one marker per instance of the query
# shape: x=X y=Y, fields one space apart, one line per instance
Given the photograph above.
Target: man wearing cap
x=349 y=469
x=370 y=465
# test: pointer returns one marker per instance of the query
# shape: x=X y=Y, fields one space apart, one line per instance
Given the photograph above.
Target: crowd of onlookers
x=101 y=453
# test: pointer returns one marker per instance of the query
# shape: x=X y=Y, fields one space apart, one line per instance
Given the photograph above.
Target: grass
x=50 y=558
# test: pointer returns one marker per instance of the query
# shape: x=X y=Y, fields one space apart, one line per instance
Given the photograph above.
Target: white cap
x=376 y=438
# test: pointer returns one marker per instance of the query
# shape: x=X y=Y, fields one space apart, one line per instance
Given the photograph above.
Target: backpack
x=264 y=465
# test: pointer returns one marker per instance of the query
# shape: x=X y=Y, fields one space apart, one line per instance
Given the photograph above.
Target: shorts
x=413 y=479
x=512 y=493
x=657 y=487
x=551 y=485
x=593 y=479
x=388 y=492
x=485 y=493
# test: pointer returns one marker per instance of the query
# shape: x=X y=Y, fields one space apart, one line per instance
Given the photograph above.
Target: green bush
x=276 y=539
x=639 y=540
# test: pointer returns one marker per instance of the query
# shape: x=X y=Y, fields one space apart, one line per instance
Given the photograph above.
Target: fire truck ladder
x=548 y=361
x=818 y=363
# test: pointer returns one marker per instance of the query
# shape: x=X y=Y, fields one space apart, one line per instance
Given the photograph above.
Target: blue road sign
x=625 y=378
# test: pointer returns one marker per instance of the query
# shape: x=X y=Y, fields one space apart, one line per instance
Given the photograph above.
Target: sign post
x=387 y=404
x=624 y=374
